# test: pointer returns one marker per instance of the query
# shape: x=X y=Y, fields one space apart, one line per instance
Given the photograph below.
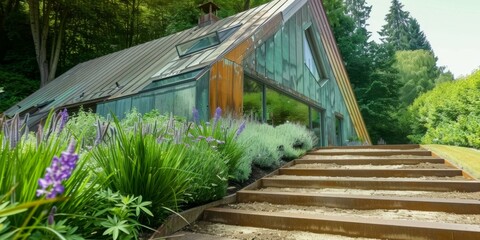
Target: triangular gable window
x=312 y=58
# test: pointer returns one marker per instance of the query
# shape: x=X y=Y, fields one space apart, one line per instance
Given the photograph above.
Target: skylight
x=206 y=41
x=198 y=44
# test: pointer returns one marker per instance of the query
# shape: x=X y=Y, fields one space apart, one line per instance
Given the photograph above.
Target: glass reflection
x=281 y=109
x=252 y=99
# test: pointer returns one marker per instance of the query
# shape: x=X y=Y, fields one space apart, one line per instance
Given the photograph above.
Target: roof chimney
x=209 y=9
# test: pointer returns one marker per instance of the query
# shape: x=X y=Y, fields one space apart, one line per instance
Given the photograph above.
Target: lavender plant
x=222 y=133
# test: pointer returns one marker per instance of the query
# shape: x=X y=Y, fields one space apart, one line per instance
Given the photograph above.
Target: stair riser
x=372 y=172
x=361 y=203
x=446 y=186
x=407 y=161
x=372 y=153
x=344 y=226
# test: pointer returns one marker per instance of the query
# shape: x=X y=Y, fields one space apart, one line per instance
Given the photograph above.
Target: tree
x=418 y=40
x=417 y=72
x=359 y=11
x=47 y=21
x=395 y=31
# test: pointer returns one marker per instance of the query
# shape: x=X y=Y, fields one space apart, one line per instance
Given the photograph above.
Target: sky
x=452 y=27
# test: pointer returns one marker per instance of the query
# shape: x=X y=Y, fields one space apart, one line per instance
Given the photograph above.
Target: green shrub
x=164 y=169
x=264 y=148
x=448 y=114
x=24 y=158
x=296 y=138
x=83 y=125
x=222 y=134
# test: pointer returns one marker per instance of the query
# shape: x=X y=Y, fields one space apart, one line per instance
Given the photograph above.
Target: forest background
x=41 y=39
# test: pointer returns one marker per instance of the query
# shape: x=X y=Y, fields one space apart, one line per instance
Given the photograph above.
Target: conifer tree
x=418 y=40
x=396 y=30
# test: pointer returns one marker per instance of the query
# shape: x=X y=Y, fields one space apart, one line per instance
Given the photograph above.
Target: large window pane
x=282 y=109
x=252 y=99
x=317 y=126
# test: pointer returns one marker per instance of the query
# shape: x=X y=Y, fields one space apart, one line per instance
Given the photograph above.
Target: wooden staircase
x=326 y=185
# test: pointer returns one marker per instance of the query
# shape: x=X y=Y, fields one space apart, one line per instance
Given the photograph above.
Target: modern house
x=277 y=62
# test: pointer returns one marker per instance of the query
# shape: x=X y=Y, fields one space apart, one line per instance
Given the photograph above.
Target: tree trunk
x=246 y=5
x=56 y=48
x=39 y=25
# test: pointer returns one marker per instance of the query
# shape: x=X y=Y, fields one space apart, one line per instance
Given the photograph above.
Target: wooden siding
x=226 y=87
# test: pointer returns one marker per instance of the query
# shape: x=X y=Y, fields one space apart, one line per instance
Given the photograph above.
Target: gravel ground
x=386 y=193
x=369 y=166
x=367 y=150
x=456 y=178
x=396 y=214
x=251 y=233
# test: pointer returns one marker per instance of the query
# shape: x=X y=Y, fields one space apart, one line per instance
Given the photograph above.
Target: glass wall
x=339 y=130
x=282 y=109
x=253 y=99
x=318 y=125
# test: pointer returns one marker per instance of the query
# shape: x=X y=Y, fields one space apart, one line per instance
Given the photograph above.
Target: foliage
x=263 y=145
x=401 y=31
x=162 y=169
x=222 y=134
x=296 y=139
x=83 y=125
x=448 y=114
x=15 y=88
x=23 y=160
x=268 y=145
x=112 y=214
x=417 y=72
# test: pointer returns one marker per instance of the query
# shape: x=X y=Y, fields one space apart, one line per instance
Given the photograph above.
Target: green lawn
x=467 y=159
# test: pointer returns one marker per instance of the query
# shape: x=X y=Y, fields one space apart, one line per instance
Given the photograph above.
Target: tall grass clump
x=83 y=126
x=24 y=159
x=162 y=165
x=222 y=133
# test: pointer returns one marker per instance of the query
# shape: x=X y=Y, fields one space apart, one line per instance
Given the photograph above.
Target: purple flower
x=216 y=117
x=51 y=216
x=220 y=142
x=240 y=129
x=209 y=139
x=63 y=119
x=196 y=116
x=59 y=170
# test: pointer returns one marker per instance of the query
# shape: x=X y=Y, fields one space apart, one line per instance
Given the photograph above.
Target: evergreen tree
x=359 y=11
x=395 y=32
x=417 y=37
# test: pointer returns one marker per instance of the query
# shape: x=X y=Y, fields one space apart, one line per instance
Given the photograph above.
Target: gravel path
x=251 y=233
x=386 y=193
x=396 y=214
x=369 y=166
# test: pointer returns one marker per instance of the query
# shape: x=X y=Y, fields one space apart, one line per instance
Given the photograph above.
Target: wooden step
x=387 y=161
x=371 y=172
x=374 y=184
x=459 y=206
x=350 y=226
x=372 y=153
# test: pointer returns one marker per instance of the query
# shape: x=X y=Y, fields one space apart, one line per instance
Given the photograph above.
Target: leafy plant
x=448 y=114
x=221 y=133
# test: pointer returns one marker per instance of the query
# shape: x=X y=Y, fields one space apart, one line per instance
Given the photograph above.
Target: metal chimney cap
x=208 y=6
